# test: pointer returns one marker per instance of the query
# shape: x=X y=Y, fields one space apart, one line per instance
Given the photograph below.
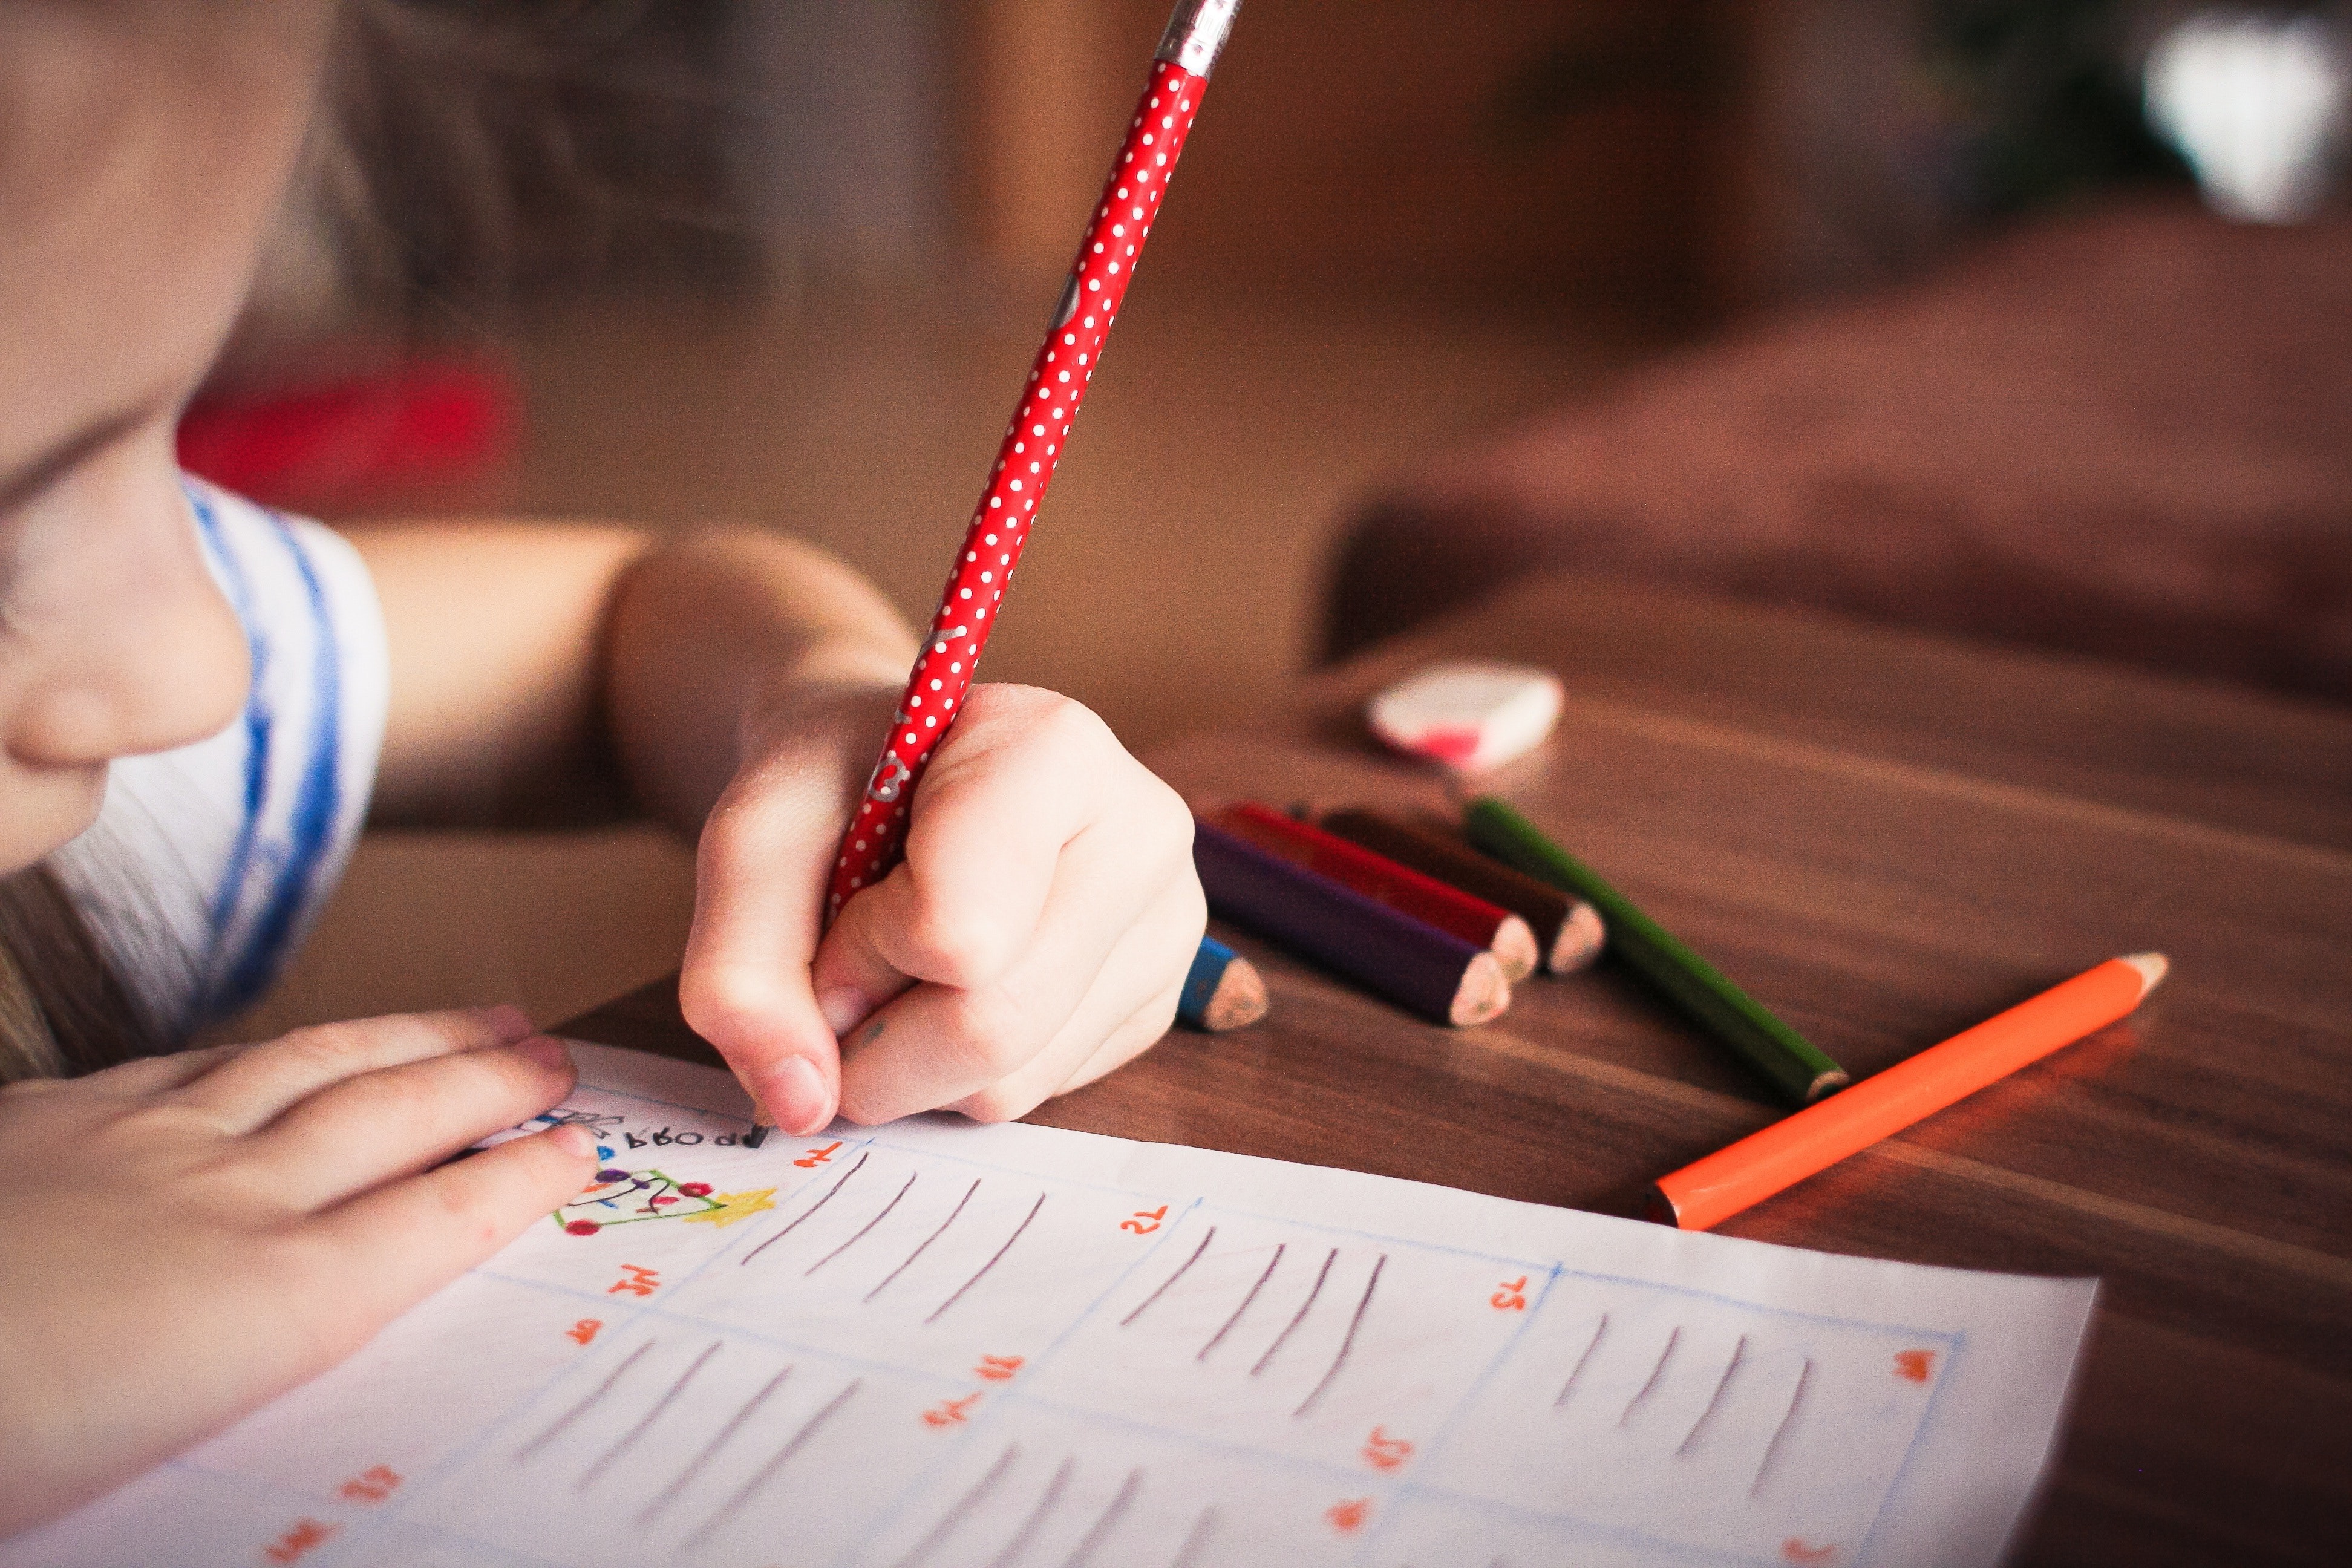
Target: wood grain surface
x=1886 y=838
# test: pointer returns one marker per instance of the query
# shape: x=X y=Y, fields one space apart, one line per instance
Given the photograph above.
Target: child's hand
x=187 y=1236
x=1035 y=937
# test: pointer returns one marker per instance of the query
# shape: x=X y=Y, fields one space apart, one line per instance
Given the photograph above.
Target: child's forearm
x=717 y=644
x=565 y=672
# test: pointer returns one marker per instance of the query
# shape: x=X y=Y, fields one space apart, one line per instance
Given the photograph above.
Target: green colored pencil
x=1796 y=1068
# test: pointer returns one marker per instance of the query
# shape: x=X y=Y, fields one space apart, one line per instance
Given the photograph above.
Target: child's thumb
x=744 y=986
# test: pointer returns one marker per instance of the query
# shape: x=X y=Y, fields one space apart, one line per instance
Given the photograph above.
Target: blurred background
x=2029 y=321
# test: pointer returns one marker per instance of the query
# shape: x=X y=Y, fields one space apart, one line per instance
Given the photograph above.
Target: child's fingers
x=387 y=1250
x=158 y=1074
x=253 y=1086
x=1013 y=786
x=367 y=1129
x=744 y=986
x=1131 y=1006
x=938 y=1047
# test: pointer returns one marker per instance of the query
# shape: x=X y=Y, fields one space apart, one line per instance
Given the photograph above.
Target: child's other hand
x=187 y=1236
x=1035 y=937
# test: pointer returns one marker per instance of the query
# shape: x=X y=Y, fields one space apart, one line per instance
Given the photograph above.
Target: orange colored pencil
x=1702 y=1196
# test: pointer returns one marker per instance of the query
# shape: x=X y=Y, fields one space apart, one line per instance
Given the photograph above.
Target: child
x=190 y=1234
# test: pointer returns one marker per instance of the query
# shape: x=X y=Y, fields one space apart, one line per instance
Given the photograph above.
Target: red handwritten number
x=1511 y=1297
x=585 y=1329
x=949 y=1412
x=640 y=1282
x=815 y=1157
x=1915 y=1365
x=1384 y=1452
x=1145 y=1221
x=307 y=1536
x=997 y=1368
x=1348 y=1517
x=374 y=1484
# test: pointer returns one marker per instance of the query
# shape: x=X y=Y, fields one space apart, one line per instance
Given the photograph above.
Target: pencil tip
x=1240 y=999
x=1582 y=937
x=757 y=1136
x=2152 y=966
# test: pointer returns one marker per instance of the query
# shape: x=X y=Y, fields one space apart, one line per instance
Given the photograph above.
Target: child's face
x=143 y=145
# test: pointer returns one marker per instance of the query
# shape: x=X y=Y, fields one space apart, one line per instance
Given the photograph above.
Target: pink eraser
x=1470 y=717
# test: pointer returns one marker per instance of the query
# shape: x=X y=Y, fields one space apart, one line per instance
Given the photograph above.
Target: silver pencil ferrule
x=1196 y=32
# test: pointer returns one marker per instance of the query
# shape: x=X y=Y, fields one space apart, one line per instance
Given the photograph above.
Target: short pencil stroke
x=637 y=1430
x=569 y=1416
x=1299 y=1316
x=693 y=1467
x=993 y=1258
x=863 y=1229
x=1083 y=1555
x=923 y=1244
x=960 y=1509
x=1589 y=1346
x=1346 y=1341
x=1657 y=1372
x=1180 y=1269
x=1715 y=1400
x=1195 y=1539
x=1764 y=1466
x=1028 y=1531
x=831 y=1193
x=1272 y=1264
x=767 y=1472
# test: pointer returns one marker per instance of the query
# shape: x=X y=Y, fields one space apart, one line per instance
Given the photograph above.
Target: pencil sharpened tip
x=757 y=1136
x=1581 y=938
x=2152 y=966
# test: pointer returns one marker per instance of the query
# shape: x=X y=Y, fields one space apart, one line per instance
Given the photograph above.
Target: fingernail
x=844 y=1007
x=574 y=1140
x=549 y=1054
x=507 y=1021
x=795 y=1093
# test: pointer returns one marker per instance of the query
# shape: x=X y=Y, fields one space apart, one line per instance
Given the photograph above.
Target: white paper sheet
x=936 y=1345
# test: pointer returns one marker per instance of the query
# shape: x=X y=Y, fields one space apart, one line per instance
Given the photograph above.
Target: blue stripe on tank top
x=260 y=721
x=318 y=801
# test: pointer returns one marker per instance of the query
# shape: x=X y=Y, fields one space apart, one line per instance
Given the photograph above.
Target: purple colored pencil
x=1435 y=974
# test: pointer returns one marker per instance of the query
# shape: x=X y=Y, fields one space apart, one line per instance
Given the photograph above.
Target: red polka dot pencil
x=1025 y=459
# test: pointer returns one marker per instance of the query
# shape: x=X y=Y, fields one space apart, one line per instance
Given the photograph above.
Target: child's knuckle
x=994 y=1032
x=717 y=1000
x=998 y=1102
x=953 y=946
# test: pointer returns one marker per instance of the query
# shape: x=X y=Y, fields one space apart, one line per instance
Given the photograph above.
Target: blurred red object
x=353 y=439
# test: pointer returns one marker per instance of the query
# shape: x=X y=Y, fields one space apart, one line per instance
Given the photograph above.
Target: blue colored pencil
x=1225 y=990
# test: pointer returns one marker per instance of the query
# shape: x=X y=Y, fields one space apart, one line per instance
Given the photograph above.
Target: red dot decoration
x=1107 y=259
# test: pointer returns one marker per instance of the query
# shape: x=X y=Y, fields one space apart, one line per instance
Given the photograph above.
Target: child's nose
x=149 y=656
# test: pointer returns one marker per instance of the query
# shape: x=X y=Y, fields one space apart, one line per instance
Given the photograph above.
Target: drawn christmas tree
x=625 y=1197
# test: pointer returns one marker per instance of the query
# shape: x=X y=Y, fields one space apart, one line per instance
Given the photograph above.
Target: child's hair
x=446 y=131
x=63 y=1010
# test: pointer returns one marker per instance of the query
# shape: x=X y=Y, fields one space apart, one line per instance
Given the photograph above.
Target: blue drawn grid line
x=1954 y=1345
x=1402 y=1491
x=992 y=1414
x=1404 y=1487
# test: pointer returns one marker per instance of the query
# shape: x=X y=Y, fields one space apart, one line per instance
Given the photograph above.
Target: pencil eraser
x=1470 y=717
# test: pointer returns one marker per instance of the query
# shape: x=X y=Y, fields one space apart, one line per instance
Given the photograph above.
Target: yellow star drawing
x=733 y=1206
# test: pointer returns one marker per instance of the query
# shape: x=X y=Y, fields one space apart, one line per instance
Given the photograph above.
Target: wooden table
x=1886 y=838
